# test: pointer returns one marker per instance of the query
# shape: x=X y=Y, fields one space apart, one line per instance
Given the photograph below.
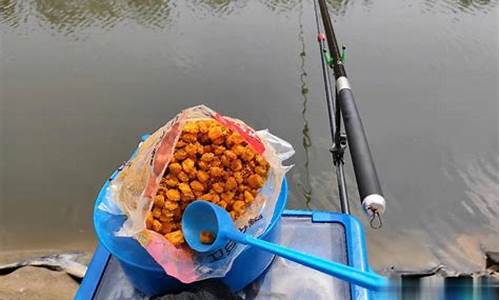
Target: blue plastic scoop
x=202 y=216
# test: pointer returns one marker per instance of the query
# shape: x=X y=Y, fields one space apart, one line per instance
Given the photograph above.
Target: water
x=80 y=81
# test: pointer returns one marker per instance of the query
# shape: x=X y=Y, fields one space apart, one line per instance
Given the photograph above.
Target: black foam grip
x=364 y=168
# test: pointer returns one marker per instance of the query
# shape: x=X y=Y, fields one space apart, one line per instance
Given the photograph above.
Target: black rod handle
x=370 y=192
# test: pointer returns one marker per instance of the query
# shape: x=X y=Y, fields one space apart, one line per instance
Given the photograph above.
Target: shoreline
x=8 y=256
x=46 y=282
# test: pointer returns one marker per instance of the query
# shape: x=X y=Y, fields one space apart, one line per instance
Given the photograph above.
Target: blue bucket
x=149 y=278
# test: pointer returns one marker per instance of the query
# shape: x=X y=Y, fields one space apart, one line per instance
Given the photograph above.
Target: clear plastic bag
x=133 y=190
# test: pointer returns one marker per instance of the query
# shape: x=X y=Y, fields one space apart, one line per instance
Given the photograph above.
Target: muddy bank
x=41 y=274
x=37 y=283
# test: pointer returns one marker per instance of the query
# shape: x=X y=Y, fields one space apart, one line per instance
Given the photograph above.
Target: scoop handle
x=368 y=280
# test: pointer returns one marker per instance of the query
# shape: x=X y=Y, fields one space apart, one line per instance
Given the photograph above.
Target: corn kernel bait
x=207 y=237
x=212 y=163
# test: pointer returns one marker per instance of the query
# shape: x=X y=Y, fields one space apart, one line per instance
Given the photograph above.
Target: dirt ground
x=37 y=283
x=31 y=282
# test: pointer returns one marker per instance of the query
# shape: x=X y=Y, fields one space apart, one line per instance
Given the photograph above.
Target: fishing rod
x=344 y=108
x=338 y=138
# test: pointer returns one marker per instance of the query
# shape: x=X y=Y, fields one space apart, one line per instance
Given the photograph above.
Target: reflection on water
x=455 y=6
x=80 y=80
x=67 y=16
x=339 y=7
x=480 y=177
x=305 y=185
x=218 y=8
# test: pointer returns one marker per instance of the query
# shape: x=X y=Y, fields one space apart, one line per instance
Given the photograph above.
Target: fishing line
x=306 y=139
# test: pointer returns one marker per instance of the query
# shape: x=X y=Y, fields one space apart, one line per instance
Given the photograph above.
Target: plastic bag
x=133 y=190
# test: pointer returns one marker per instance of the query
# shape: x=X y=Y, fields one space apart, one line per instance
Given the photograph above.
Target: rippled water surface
x=80 y=81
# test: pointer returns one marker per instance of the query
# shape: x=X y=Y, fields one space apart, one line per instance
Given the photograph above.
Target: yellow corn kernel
x=180 y=154
x=159 y=200
x=248 y=197
x=175 y=237
x=180 y=144
x=231 y=184
x=185 y=188
x=207 y=197
x=238 y=177
x=238 y=149
x=261 y=161
x=215 y=133
x=191 y=127
x=222 y=204
x=197 y=186
x=203 y=165
x=167 y=218
x=167 y=213
x=156 y=225
x=207 y=157
x=190 y=150
x=175 y=168
x=188 y=165
x=207 y=237
x=248 y=154
x=149 y=220
x=199 y=148
x=216 y=171
x=183 y=176
x=171 y=181
x=203 y=127
x=227 y=196
x=236 y=165
x=188 y=137
x=215 y=199
x=202 y=176
x=171 y=205
x=230 y=155
x=173 y=195
x=219 y=150
x=262 y=171
x=225 y=161
x=255 y=181
x=218 y=187
x=162 y=189
x=156 y=212
x=234 y=139
x=215 y=162
x=239 y=206
x=187 y=197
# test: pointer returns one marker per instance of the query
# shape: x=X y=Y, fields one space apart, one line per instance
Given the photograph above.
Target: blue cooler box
x=330 y=235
